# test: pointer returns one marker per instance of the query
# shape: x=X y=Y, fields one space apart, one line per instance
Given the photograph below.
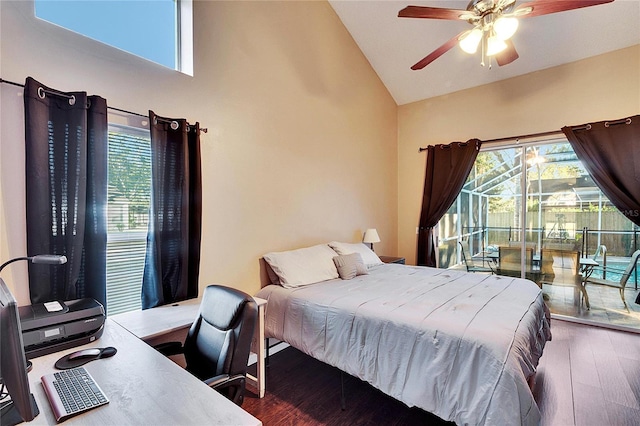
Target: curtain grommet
x=41 y=93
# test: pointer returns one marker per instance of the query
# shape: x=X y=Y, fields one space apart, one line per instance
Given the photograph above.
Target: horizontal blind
x=129 y=194
x=125 y=266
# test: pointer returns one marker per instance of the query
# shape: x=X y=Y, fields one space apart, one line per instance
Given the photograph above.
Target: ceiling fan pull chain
x=484 y=43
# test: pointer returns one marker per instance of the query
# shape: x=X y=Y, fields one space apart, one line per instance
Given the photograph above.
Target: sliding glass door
x=533 y=211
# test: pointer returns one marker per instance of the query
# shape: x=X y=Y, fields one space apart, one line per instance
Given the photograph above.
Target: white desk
x=154 y=323
x=143 y=387
x=159 y=321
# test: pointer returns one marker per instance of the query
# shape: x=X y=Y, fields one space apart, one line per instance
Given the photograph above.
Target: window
x=158 y=30
x=128 y=197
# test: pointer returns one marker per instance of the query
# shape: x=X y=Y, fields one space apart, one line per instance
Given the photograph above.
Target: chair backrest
x=562 y=265
x=467 y=263
x=219 y=340
x=510 y=258
x=530 y=245
x=629 y=269
x=559 y=246
x=546 y=263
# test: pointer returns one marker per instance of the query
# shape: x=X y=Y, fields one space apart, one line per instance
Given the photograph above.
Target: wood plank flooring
x=587 y=376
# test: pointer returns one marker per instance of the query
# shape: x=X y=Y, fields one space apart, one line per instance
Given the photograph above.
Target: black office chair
x=217 y=346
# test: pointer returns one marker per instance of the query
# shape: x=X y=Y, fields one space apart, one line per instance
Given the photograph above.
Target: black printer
x=55 y=326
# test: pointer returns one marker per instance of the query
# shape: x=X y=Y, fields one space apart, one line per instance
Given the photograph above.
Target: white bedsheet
x=455 y=344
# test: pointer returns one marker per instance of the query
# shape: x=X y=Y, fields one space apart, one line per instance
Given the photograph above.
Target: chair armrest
x=230 y=386
x=224 y=380
x=611 y=268
x=602 y=270
x=170 y=348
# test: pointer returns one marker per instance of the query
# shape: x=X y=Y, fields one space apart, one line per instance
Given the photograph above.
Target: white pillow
x=368 y=256
x=303 y=266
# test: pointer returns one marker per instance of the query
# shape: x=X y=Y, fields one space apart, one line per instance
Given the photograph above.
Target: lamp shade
x=470 y=40
x=495 y=45
x=505 y=27
x=371 y=236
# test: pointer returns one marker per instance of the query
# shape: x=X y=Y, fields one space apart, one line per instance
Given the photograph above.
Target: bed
x=462 y=346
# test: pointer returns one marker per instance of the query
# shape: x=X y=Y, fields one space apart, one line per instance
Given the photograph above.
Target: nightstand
x=392 y=259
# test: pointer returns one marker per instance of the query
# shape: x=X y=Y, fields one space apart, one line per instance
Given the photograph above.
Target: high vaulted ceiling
x=392 y=45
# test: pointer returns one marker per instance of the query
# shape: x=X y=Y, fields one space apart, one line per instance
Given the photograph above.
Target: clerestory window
x=157 y=30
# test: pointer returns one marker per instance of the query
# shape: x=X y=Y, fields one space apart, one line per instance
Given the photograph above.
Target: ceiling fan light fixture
x=505 y=27
x=493 y=22
x=495 y=45
x=469 y=42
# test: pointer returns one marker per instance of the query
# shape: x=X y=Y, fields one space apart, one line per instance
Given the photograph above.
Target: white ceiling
x=392 y=45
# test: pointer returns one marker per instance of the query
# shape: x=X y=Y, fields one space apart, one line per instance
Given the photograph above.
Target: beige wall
x=302 y=141
x=305 y=144
x=600 y=88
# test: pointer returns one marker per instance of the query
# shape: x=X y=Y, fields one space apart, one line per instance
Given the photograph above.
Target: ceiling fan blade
x=508 y=55
x=437 y=53
x=545 y=7
x=433 y=13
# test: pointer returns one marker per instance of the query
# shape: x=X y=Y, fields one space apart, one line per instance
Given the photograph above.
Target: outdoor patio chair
x=624 y=275
x=471 y=266
x=509 y=260
x=562 y=268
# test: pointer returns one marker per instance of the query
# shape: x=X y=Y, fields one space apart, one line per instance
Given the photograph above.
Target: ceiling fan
x=494 y=22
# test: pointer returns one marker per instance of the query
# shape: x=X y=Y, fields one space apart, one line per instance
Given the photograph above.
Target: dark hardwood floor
x=304 y=391
x=587 y=376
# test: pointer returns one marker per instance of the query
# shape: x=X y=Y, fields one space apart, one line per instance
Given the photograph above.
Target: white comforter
x=455 y=344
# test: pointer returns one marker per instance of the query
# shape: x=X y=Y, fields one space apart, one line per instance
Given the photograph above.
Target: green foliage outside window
x=129 y=190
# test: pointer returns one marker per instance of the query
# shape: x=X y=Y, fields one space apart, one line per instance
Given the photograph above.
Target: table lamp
x=371 y=236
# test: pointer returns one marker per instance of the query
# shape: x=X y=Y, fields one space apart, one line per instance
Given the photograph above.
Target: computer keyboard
x=72 y=392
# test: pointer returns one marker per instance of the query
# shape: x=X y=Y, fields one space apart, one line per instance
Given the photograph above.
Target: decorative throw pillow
x=350 y=265
x=368 y=256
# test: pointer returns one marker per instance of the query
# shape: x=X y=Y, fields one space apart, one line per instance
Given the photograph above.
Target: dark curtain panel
x=447 y=169
x=610 y=151
x=172 y=263
x=66 y=190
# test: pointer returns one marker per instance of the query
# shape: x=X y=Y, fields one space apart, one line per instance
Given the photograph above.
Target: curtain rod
x=55 y=92
x=516 y=138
